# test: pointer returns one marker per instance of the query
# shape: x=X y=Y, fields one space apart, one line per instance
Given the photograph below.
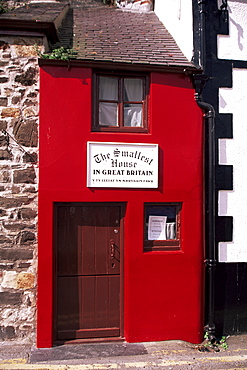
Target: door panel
x=88 y=244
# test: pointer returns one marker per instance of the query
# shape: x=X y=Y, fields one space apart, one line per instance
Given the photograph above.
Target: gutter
x=209 y=117
x=123 y=66
x=200 y=60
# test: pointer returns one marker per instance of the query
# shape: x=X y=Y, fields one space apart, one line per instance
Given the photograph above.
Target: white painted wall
x=177 y=17
x=234 y=45
x=234 y=151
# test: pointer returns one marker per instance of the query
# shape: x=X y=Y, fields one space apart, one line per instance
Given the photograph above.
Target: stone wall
x=19 y=91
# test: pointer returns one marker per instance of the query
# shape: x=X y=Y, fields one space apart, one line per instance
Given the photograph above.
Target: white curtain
x=133 y=91
x=108 y=90
x=108 y=115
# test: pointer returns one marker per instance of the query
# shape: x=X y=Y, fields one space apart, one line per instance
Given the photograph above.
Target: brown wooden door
x=88 y=245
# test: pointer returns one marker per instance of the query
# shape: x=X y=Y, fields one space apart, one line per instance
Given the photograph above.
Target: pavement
x=167 y=355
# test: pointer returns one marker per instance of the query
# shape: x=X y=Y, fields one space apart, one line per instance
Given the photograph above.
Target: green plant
x=223 y=343
x=214 y=344
x=60 y=53
x=4 y=7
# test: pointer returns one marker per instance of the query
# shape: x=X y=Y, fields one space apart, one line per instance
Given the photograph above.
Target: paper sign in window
x=157 y=227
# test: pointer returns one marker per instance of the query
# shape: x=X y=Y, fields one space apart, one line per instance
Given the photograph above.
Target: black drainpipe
x=199 y=81
x=209 y=116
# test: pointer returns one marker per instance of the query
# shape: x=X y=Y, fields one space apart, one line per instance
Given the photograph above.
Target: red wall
x=163 y=290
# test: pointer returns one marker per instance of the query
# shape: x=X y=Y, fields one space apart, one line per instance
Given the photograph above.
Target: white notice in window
x=157 y=227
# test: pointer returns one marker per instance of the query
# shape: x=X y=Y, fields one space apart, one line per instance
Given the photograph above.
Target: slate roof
x=102 y=33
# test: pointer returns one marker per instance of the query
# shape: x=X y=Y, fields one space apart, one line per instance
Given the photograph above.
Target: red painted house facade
x=120 y=249
x=99 y=274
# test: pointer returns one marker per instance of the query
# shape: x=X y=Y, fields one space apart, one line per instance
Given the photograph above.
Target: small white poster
x=157 y=227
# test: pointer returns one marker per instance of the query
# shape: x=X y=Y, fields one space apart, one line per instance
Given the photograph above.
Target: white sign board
x=122 y=165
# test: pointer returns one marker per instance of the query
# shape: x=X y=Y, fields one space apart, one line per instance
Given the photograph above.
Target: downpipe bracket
x=210 y=262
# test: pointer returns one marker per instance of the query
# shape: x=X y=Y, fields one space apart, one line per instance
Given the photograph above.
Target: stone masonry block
x=10 y=112
x=6 y=55
x=10 y=202
x=30 y=158
x=7 y=332
x=29 y=112
x=3 y=63
x=27 y=78
x=30 y=102
x=14 y=201
x=5 y=154
x=28 y=213
x=7 y=265
x=10 y=332
x=10 y=298
x=3 y=125
x=15 y=254
x=26 y=176
x=3 y=79
x=16 y=99
x=24 y=265
x=26 y=133
x=25 y=281
x=4 y=176
x=9 y=280
x=25 y=50
x=25 y=237
x=3 y=102
x=15 y=226
x=32 y=94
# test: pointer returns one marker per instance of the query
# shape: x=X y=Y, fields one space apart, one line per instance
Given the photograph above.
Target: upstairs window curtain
x=108 y=101
x=133 y=95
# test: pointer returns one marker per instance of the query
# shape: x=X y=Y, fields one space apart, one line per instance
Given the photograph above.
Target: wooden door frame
x=122 y=206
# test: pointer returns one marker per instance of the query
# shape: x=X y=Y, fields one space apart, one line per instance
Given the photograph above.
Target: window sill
x=161 y=245
x=120 y=129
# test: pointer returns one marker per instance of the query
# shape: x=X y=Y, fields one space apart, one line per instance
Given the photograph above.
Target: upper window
x=120 y=103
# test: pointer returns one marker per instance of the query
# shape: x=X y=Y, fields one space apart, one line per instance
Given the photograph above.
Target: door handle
x=112 y=248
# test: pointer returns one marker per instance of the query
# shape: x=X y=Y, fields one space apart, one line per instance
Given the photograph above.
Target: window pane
x=108 y=114
x=133 y=89
x=160 y=222
x=108 y=88
x=133 y=115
